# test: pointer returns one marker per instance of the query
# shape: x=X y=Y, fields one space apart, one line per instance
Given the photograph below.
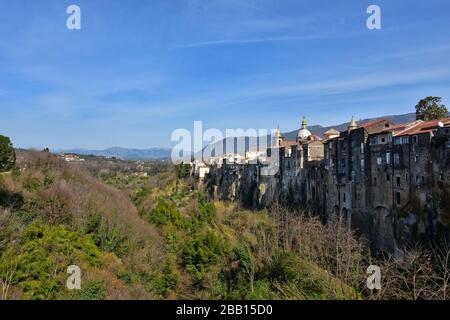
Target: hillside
x=159 y=237
x=139 y=238
x=124 y=153
x=53 y=215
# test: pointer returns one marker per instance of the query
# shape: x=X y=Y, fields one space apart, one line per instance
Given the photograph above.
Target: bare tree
x=416 y=273
x=6 y=282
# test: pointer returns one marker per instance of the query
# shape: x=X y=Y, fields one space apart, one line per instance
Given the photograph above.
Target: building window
x=344 y=197
x=375 y=181
x=388 y=158
x=374 y=140
x=396 y=159
x=379 y=160
x=406 y=178
x=415 y=139
x=383 y=140
x=398 y=198
x=441 y=176
x=401 y=140
x=398 y=182
x=362 y=148
x=388 y=177
x=362 y=164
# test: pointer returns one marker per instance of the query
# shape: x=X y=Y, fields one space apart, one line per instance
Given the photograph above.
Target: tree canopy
x=430 y=108
x=7 y=154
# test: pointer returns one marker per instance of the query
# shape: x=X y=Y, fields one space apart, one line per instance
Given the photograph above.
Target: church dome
x=304 y=133
x=278 y=133
x=352 y=125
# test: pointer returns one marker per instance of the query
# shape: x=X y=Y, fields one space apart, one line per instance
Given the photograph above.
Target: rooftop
x=369 y=124
x=423 y=127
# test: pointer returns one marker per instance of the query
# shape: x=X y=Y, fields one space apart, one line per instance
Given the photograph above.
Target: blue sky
x=137 y=70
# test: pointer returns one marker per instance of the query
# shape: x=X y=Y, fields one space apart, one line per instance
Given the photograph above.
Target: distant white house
x=234 y=158
x=254 y=155
x=70 y=157
x=201 y=169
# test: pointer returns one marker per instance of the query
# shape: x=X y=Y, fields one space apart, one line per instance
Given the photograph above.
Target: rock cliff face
x=392 y=204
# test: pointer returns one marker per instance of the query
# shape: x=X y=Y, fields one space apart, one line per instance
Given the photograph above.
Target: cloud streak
x=248 y=41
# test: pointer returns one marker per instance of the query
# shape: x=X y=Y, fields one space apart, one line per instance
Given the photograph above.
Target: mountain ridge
x=124 y=153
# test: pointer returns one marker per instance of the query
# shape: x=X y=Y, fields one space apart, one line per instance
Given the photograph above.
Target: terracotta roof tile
x=373 y=122
x=287 y=143
x=424 y=127
x=332 y=131
x=398 y=128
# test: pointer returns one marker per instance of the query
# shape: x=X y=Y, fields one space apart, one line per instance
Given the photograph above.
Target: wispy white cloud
x=248 y=41
x=357 y=83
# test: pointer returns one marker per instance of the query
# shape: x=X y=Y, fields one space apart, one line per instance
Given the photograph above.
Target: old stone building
x=391 y=183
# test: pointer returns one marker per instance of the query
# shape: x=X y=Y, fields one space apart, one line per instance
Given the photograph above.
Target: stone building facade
x=390 y=182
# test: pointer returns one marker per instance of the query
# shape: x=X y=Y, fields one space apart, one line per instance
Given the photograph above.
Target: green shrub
x=283 y=267
x=206 y=210
x=91 y=291
x=238 y=273
x=202 y=251
x=165 y=281
x=31 y=183
x=166 y=213
x=182 y=170
x=7 y=154
x=39 y=262
x=107 y=236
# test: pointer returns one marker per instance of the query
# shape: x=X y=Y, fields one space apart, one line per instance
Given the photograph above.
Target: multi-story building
x=390 y=182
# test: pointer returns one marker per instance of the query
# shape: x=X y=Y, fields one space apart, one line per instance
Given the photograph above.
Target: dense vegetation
x=431 y=108
x=158 y=237
x=7 y=154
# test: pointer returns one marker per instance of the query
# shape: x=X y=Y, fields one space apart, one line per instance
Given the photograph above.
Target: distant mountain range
x=124 y=153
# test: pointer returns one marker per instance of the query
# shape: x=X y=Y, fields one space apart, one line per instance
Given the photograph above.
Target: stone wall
x=392 y=193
